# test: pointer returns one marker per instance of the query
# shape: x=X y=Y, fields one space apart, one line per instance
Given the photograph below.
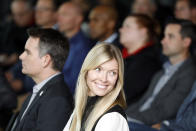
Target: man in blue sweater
x=70 y=18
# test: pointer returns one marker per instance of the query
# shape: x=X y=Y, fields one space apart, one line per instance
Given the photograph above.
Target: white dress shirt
x=109 y=39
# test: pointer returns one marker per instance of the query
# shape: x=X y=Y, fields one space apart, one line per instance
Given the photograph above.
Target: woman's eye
x=113 y=73
x=97 y=69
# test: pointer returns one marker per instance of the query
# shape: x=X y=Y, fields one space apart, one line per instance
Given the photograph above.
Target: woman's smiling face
x=102 y=79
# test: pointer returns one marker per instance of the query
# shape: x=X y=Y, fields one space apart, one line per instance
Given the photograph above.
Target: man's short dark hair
x=188 y=29
x=51 y=42
x=57 y=4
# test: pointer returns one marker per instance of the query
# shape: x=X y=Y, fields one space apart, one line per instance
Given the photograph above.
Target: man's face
x=98 y=24
x=22 y=15
x=143 y=7
x=173 y=43
x=31 y=61
x=182 y=10
x=67 y=18
x=45 y=15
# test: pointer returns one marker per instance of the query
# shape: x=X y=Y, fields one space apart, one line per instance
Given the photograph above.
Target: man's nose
x=21 y=56
x=163 y=41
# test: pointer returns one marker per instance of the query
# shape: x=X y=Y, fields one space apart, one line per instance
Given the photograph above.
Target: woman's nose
x=103 y=76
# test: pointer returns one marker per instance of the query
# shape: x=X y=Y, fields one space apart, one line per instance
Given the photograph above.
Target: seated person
x=100 y=100
x=8 y=101
x=103 y=21
x=170 y=86
x=70 y=18
x=141 y=58
x=184 y=121
x=13 y=34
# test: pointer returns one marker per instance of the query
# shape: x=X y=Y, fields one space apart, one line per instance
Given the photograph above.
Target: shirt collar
x=168 y=67
x=110 y=39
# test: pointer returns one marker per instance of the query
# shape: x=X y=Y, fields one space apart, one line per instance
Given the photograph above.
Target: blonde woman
x=100 y=100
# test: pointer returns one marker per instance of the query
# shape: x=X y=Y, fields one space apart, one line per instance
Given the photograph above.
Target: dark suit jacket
x=185 y=119
x=169 y=99
x=50 y=110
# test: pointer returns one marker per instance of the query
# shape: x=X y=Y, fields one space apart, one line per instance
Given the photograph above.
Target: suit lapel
x=41 y=93
x=154 y=83
x=24 y=106
x=35 y=100
x=37 y=97
x=167 y=87
x=18 y=124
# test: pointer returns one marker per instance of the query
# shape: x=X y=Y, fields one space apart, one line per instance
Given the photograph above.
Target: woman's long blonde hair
x=98 y=55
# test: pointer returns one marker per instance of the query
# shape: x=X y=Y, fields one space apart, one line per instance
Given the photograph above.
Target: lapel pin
x=41 y=93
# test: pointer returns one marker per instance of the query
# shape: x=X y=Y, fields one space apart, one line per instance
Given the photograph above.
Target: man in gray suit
x=170 y=86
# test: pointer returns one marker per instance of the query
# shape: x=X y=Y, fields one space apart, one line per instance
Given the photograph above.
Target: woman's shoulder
x=117 y=109
x=113 y=120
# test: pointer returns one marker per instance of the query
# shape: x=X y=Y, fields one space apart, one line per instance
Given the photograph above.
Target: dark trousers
x=140 y=127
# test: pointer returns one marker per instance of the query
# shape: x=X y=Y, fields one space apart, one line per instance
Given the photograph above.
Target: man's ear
x=79 y=19
x=46 y=60
x=187 y=41
x=111 y=24
x=143 y=32
x=55 y=15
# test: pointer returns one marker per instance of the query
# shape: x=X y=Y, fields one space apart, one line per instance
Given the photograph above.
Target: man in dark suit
x=185 y=119
x=170 y=86
x=49 y=106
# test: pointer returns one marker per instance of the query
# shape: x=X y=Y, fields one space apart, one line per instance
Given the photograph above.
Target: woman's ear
x=86 y=74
